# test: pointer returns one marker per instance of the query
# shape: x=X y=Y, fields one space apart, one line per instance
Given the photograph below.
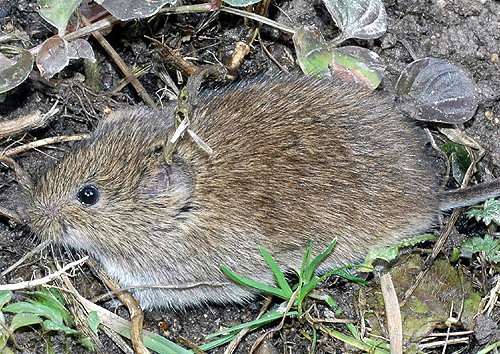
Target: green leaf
x=488 y=213
x=390 y=253
x=23 y=320
x=267 y=289
x=241 y=3
x=5 y=297
x=52 y=299
x=358 y=64
x=488 y=245
x=34 y=308
x=58 y=12
x=87 y=343
x=313 y=54
x=94 y=321
x=311 y=267
x=278 y=274
x=3 y=342
x=460 y=159
x=49 y=326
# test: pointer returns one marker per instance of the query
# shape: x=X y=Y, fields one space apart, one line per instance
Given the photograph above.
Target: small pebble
x=494 y=58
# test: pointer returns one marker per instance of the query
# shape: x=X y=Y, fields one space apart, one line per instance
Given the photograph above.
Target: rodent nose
x=52 y=210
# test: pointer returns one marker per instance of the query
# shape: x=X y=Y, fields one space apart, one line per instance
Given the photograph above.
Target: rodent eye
x=88 y=195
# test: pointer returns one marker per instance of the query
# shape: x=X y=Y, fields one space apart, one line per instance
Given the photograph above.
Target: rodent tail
x=469 y=196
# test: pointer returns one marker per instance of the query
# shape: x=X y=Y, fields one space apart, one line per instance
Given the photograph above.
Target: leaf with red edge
x=359 y=65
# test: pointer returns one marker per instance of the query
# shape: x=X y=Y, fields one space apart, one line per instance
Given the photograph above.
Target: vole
x=295 y=159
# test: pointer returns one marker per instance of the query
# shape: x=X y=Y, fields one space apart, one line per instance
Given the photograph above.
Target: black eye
x=88 y=195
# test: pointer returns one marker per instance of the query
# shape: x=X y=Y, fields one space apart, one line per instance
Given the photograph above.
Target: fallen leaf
x=364 y=19
x=52 y=57
x=80 y=49
x=435 y=90
x=133 y=9
x=13 y=71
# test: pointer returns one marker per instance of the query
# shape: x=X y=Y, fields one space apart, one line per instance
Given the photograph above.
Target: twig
x=443 y=342
x=241 y=50
x=43 y=142
x=174 y=58
x=26 y=256
x=393 y=313
x=289 y=305
x=136 y=314
x=258 y=18
x=47 y=279
x=21 y=176
x=493 y=297
x=121 y=65
x=28 y=122
x=233 y=345
x=268 y=53
x=11 y=215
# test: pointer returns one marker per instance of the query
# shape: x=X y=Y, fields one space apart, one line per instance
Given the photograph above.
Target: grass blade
x=278 y=274
x=311 y=267
x=262 y=287
x=265 y=319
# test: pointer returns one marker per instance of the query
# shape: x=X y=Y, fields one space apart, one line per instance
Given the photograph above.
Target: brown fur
x=294 y=160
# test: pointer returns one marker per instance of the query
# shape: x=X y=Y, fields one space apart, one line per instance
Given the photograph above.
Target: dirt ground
x=466 y=32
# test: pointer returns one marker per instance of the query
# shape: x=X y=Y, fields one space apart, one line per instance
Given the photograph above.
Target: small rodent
x=295 y=159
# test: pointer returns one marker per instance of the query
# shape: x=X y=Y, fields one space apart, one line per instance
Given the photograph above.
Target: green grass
x=294 y=296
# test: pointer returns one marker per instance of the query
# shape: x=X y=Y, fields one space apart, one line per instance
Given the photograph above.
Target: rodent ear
x=155 y=180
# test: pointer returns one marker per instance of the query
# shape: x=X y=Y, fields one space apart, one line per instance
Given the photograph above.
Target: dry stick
x=259 y=340
x=37 y=282
x=268 y=53
x=78 y=311
x=136 y=314
x=28 y=122
x=42 y=142
x=21 y=176
x=441 y=343
x=11 y=215
x=393 y=314
x=174 y=58
x=493 y=297
x=119 y=342
x=241 y=50
x=122 y=66
x=26 y=256
x=258 y=18
x=233 y=345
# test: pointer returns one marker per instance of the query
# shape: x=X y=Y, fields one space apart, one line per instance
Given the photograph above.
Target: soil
x=466 y=32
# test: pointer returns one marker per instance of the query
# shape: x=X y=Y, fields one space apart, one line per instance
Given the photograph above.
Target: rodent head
x=108 y=194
